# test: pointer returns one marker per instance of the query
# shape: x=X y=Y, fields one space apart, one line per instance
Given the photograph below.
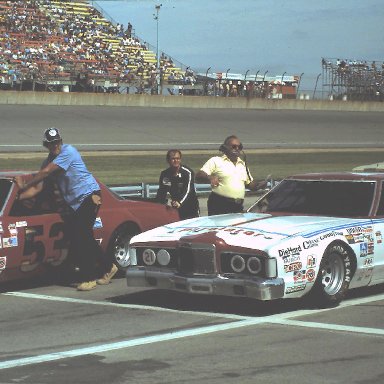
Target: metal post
x=298 y=85
x=206 y=81
x=156 y=17
x=281 y=85
x=264 y=80
x=314 y=91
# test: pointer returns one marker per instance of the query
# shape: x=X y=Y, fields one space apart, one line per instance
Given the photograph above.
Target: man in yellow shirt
x=229 y=176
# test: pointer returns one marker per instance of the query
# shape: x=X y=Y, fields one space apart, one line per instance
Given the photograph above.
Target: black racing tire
x=335 y=273
x=118 y=245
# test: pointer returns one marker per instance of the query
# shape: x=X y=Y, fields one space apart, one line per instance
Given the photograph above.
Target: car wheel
x=118 y=245
x=334 y=276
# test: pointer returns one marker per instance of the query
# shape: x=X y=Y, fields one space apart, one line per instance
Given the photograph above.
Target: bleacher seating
x=45 y=40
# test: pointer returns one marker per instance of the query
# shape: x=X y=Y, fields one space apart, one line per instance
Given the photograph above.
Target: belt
x=231 y=199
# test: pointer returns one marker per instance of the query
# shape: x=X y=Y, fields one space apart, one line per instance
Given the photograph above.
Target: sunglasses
x=235 y=146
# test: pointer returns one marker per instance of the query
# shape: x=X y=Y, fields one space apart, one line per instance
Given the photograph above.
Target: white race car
x=317 y=234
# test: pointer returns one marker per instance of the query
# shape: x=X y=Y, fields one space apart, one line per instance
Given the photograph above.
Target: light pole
x=206 y=81
x=156 y=17
x=226 y=73
x=281 y=84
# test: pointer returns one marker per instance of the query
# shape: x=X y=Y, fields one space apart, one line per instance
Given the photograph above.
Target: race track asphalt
x=135 y=128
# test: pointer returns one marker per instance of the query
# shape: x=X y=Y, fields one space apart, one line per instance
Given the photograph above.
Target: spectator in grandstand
x=229 y=176
x=82 y=193
x=177 y=181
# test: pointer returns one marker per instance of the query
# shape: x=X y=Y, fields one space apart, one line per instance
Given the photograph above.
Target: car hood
x=253 y=230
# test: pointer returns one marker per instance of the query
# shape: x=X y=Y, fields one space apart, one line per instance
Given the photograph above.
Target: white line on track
x=243 y=321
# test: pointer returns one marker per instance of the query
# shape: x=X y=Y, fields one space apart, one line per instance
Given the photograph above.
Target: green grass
x=133 y=168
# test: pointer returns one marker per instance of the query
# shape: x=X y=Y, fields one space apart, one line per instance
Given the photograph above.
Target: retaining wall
x=128 y=100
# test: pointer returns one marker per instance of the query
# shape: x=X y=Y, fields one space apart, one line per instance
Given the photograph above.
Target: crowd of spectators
x=62 y=39
x=356 y=79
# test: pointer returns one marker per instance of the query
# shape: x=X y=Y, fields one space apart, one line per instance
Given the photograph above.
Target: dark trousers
x=85 y=251
x=218 y=205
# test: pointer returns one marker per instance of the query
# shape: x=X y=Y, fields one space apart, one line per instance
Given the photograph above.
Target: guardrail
x=146 y=190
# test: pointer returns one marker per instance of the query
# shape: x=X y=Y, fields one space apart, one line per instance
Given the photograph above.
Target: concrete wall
x=73 y=98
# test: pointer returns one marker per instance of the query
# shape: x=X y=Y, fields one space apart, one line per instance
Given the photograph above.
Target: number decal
x=34 y=244
x=60 y=244
x=31 y=246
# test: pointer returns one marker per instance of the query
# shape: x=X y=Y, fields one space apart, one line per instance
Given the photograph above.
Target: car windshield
x=329 y=198
x=5 y=186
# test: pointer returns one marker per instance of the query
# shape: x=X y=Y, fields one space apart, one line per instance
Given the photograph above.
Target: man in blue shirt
x=82 y=193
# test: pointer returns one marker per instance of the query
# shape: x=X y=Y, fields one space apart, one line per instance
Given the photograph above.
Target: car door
x=34 y=236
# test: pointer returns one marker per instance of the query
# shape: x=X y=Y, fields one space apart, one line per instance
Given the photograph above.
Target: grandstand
x=353 y=79
x=71 y=46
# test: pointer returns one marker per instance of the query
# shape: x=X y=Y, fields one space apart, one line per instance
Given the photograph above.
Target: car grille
x=197 y=259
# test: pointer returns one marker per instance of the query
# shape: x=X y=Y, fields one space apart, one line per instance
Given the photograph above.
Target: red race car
x=33 y=238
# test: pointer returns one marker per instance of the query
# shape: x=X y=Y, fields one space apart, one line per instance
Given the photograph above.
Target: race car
x=317 y=234
x=33 y=237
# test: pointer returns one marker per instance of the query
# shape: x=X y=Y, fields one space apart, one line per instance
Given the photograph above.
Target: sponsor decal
x=311 y=261
x=355 y=230
x=21 y=224
x=350 y=239
x=230 y=230
x=290 y=251
x=3 y=263
x=295 y=288
x=330 y=234
x=365 y=274
x=368 y=262
x=12 y=229
x=310 y=243
x=299 y=276
x=379 y=237
x=10 y=242
x=310 y=275
x=291 y=259
x=98 y=223
x=363 y=249
x=293 y=267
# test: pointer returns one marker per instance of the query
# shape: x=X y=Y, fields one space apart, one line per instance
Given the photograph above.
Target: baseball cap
x=51 y=134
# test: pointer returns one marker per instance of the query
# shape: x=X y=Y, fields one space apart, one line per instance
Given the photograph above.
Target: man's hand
x=18 y=180
x=175 y=204
x=214 y=181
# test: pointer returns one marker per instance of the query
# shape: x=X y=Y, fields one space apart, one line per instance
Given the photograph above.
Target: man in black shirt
x=178 y=182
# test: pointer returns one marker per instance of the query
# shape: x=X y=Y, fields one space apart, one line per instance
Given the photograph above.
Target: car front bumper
x=256 y=287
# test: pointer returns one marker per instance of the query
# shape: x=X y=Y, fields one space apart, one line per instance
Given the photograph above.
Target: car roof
x=340 y=176
x=11 y=173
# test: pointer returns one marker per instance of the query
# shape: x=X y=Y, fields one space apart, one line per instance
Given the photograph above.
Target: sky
x=277 y=36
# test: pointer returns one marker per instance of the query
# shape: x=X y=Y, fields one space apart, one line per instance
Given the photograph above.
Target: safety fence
x=148 y=191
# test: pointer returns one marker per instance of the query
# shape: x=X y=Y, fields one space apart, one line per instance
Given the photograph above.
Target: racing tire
x=335 y=273
x=118 y=245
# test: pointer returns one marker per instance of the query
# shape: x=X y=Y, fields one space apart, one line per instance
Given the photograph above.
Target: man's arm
x=202 y=177
x=34 y=186
x=255 y=185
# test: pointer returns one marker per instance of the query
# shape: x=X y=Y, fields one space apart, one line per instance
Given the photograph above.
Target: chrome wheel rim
x=333 y=274
x=121 y=251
